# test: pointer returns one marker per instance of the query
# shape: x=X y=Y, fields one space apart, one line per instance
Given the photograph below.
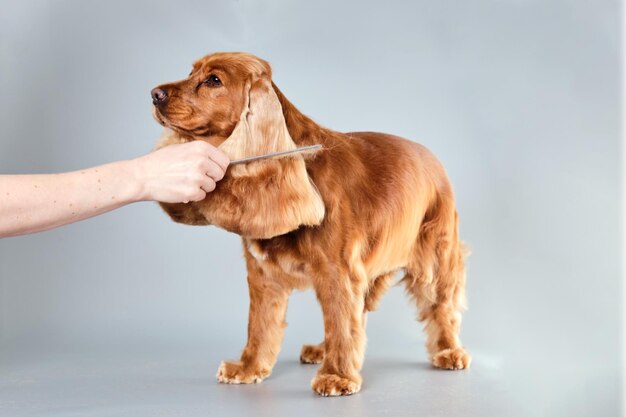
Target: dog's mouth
x=159 y=117
x=163 y=121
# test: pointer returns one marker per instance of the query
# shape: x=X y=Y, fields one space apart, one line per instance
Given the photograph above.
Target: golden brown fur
x=342 y=222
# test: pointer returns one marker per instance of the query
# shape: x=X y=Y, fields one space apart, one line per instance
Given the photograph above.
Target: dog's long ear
x=278 y=194
x=261 y=128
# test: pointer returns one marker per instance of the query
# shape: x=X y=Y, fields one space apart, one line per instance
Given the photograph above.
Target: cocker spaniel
x=342 y=221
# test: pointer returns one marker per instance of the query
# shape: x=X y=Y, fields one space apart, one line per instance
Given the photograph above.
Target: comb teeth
x=304 y=149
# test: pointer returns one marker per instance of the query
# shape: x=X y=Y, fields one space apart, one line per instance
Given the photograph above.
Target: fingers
x=181 y=172
x=199 y=195
x=213 y=170
x=219 y=158
x=208 y=184
x=214 y=154
x=205 y=178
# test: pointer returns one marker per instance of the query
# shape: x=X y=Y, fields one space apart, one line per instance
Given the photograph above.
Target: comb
x=307 y=149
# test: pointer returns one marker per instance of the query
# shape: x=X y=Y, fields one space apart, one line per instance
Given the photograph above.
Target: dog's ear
x=277 y=194
x=261 y=128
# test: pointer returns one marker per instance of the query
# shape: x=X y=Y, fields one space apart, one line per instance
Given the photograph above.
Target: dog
x=342 y=221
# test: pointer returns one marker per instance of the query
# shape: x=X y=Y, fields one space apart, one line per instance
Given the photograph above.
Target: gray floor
x=168 y=381
x=182 y=384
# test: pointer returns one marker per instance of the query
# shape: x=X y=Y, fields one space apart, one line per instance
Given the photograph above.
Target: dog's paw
x=237 y=373
x=456 y=358
x=330 y=385
x=312 y=353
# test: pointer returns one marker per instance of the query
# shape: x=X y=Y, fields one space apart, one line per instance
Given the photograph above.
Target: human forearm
x=32 y=203
x=174 y=174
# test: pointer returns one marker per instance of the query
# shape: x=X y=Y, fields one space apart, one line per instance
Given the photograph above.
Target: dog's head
x=229 y=101
x=209 y=102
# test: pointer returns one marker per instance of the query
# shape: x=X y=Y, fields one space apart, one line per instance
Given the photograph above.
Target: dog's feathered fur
x=342 y=222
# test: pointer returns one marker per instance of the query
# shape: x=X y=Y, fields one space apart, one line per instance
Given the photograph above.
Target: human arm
x=174 y=174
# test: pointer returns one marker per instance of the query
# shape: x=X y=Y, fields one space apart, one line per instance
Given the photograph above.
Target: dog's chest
x=280 y=264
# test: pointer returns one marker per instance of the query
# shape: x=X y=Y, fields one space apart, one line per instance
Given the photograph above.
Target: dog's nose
x=159 y=96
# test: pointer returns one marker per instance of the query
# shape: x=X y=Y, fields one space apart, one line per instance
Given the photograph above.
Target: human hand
x=180 y=173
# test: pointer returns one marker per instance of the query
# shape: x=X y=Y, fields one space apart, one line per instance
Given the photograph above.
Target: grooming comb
x=306 y=149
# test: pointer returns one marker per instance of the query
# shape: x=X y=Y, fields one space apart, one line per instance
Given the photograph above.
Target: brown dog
x=343 y=221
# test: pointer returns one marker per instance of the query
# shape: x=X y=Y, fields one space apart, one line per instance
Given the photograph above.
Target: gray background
x=130 y=314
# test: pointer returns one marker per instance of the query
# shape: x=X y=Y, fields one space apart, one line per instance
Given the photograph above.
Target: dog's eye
x=212 y=81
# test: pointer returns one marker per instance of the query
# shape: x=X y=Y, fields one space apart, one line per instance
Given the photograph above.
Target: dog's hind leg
x=436 y=280
x=312 y=353
x=377 y=288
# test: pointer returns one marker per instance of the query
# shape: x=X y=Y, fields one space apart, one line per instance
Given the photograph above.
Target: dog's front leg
x=266 y=324
x=342 y=300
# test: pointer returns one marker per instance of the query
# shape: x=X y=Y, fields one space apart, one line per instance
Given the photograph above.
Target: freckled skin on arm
x=174 y=174
x=33 y=203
